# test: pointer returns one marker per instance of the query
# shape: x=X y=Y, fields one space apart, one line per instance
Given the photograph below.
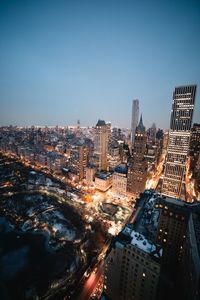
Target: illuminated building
x=101 y=144
x=137 y=170
x=157 y=252
x=135 y=119
x=103 y=181
x=78 y=160
x=195 y=157
x=179 y=139
x=195 y=140
x=132 y=266
x=151 y=154
x=114 y=157
x=119 y=183
x=165 y=140
x=90 y=172
x=151 y=132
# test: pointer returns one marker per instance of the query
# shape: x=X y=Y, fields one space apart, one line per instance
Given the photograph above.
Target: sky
x=61 y=61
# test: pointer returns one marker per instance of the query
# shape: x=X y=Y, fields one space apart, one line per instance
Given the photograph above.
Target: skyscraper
x=179 y=139
x=137 y=171
x=195 y=157
x=78 y=160
x=101 y=144
x=135 y=119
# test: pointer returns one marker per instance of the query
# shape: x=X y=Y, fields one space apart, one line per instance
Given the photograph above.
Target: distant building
x=119 y=183
x=78 y=160
x=137 y=170
x=90 y=172
x=179 y=139
x=135 y=119
x=78 y=129
x=103 y=181
x=114 y=157
x=151 y=154
x=102 y=132
x=151 y=132
x=165 y=140
x=124 y=152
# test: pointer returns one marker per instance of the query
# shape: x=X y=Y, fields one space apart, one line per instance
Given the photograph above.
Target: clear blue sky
x=66 y=60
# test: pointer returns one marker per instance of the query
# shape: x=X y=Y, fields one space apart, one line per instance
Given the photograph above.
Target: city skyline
x=65 y=61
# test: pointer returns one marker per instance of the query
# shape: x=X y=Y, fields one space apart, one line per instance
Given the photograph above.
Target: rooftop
x=141 y=242
x=103 y=175
x=122 y=168
x=141 y=232
x=140 y=126
x=101 y=123
x=178 y=204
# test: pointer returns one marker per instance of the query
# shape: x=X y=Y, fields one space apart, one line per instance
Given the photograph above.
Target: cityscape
x=96 y=207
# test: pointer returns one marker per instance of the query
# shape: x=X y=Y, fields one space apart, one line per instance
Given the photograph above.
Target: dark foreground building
x=157 y=254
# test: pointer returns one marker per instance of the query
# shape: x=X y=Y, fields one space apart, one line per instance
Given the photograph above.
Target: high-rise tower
x=137 y=171
x=135 y=119
x=101 y=144
x=179 y=139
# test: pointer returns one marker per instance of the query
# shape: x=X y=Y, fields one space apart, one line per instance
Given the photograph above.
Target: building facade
x=101 y=144
x=103 y=181
x=137 y=170
x=89 y=174
x=195 y=139
x=119 y=182
x=172 y=229
x=179 y=140
x=134 y=120
x=156 y=255
x=191 y=258
x=132 y=267
x=78 y=161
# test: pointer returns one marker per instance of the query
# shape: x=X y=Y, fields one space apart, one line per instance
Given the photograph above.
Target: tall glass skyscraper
x=179 y=139
x=135 y=119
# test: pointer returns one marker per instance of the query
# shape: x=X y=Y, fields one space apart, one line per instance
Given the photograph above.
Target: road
x=91 y=283
x=87 y=286
x=153 y=182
